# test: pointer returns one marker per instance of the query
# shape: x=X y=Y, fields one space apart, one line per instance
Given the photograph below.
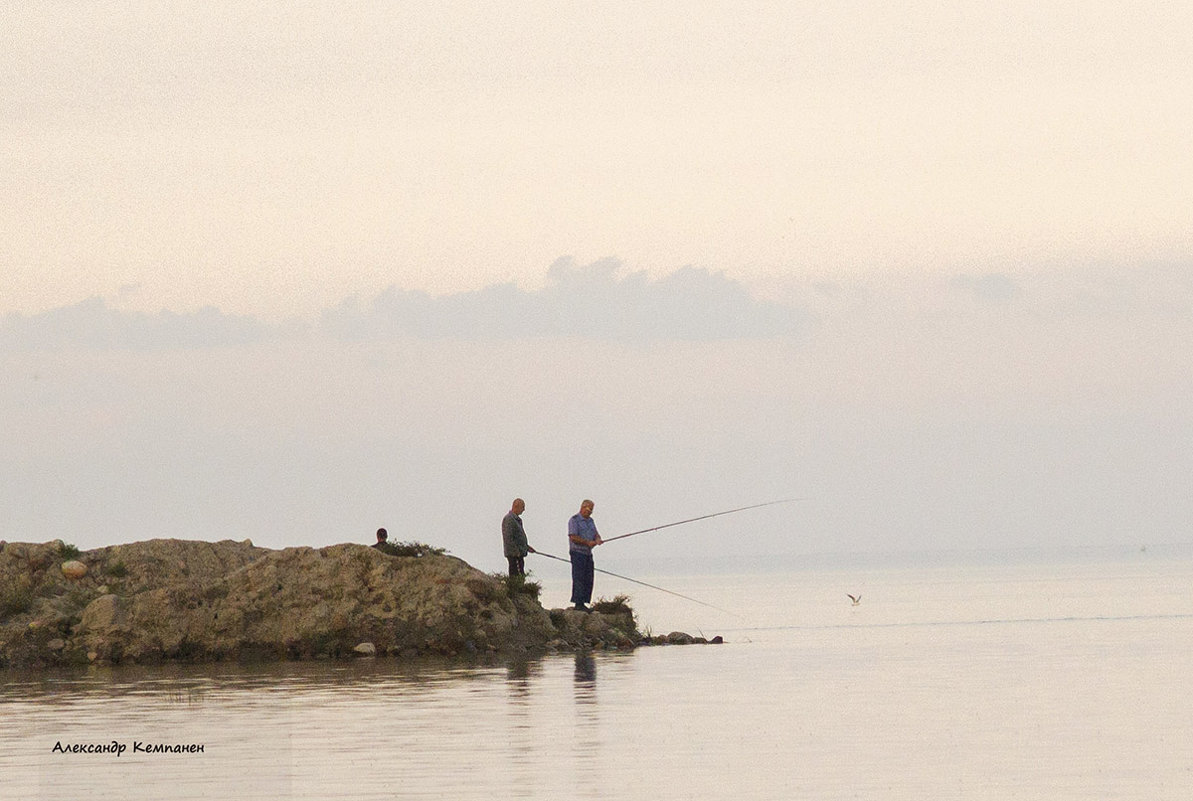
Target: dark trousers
x=517 y=565
x=582 y=572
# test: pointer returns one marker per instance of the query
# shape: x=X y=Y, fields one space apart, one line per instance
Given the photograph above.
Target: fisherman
x=583 y=537
x=382 y=540
x=513 y=537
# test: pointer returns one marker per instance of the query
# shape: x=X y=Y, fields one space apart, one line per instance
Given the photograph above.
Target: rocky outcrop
x=186 y=600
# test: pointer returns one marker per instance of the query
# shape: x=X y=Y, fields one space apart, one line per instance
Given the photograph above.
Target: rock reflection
x=518 y=669
x=520 y=675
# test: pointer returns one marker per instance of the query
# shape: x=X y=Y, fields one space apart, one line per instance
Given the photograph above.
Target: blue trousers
x=582 y=573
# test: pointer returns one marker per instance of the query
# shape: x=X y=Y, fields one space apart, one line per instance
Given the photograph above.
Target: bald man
x=513 y=537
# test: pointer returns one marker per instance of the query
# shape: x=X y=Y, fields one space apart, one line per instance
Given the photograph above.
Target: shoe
x=581 y=608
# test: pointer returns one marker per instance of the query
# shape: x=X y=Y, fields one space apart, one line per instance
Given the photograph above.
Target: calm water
x=1039 y=682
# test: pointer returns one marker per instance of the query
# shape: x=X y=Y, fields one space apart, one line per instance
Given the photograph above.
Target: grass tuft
x=67 y=551
x=519 y=585
x=619 y=605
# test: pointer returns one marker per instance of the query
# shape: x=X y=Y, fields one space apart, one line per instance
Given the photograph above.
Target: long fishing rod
x=702 y=517
x=644 y=584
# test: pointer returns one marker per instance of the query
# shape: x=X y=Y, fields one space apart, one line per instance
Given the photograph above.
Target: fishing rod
x=644 y=584
x=702 y=517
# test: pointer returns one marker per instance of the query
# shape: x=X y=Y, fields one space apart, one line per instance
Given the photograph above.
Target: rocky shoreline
x=169 y=600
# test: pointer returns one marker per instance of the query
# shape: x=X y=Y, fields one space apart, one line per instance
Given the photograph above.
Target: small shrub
x=519 y=585
x=415 y=549
x=618 y=606
x=116 y=569
x=67 y=551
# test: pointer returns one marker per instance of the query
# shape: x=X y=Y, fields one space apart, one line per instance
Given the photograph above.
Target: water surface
x=1060 y=681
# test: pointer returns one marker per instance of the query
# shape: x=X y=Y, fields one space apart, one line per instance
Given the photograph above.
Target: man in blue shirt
x=582 y=538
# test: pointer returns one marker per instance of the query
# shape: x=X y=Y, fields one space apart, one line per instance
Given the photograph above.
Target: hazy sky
x=270 y=160
x=292 y=273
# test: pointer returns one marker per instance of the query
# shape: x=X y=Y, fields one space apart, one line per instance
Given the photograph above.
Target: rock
x=26 y=557
x=56 y=644
x=74 y=569
x=186 y=600
x=102 y=615
x=679 y=638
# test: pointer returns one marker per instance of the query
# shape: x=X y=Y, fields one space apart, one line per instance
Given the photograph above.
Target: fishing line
x=702 y=517
x=644 y=584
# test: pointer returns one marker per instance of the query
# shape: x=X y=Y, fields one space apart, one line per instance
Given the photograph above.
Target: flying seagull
x=857 y=599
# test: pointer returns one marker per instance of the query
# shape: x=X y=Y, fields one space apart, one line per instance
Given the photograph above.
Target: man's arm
x=574 y=535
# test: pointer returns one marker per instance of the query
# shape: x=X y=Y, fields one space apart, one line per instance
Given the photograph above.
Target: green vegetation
x=618 y=606
x=519 y=585
x=415 y=549
x=116 y=569
x=67 y=551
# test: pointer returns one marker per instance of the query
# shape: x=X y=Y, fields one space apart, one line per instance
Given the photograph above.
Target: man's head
x=518 y=507
x=382 y=535
x=586 y=508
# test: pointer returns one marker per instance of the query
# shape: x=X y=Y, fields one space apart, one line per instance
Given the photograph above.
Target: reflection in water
x=585 y=677
x=225 y=683
x=519 y=671
x=587 y=742
x=521 y=674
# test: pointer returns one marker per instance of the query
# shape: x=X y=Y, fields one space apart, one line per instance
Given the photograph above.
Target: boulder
x=103 y=615
x=74 y=569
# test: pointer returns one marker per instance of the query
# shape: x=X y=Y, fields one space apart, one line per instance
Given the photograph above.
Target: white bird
x=857 y=599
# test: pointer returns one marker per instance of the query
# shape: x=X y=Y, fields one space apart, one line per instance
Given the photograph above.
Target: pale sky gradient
x=272 y=160
x=293 y=273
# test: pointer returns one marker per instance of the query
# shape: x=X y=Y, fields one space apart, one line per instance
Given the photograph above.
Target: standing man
x=583 y=537
x=513 y=536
